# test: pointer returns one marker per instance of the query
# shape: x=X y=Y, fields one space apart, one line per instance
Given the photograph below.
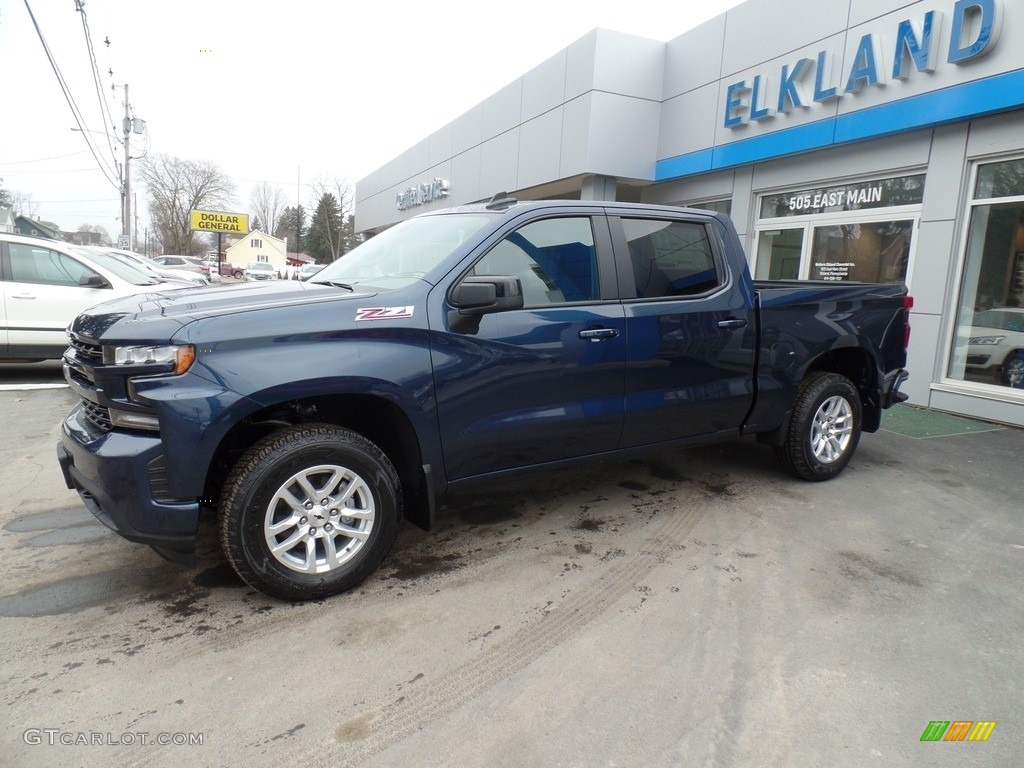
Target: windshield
x=405 y=252
x=127 y=272
x=1003 y=319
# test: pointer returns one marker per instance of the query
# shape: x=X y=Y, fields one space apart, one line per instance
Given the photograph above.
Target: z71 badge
x=383 y=313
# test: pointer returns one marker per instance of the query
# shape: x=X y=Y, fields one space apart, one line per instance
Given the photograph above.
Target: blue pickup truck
x=454 y=348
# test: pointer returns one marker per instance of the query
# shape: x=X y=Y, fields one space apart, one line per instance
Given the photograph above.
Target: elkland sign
x=973 y=32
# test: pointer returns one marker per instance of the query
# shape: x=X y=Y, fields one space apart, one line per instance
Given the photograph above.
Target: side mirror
x=93 y=281
x=485 y=294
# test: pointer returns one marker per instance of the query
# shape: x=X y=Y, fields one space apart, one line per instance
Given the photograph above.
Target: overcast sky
x=277 y=92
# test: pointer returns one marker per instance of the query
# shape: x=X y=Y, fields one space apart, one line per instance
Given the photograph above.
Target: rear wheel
x=824 y=428
x=237 y=274
x=309 y=511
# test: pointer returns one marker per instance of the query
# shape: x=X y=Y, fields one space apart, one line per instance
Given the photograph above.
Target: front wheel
x=824 y=428
x=309 y=511
x=237 y=274
x=1013 y=370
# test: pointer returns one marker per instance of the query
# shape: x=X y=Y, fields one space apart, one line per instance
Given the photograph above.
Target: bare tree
x=267 y=202
x=22 y=204
x=176 y=187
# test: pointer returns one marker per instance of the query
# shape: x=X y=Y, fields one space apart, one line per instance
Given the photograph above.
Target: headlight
x=180 y=358
x=987 y=340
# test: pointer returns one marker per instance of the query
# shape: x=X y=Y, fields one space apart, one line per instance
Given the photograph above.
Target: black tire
x=1012 y=374
x=824 y=428
x=237 y=274
x=313 y=557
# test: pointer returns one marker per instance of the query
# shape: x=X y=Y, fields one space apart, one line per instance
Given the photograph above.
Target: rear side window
x=670 y=258
x=554 y=259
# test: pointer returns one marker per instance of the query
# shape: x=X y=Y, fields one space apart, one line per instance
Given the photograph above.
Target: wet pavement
x=694 y=608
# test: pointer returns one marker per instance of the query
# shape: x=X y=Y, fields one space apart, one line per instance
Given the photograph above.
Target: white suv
x=45 y=284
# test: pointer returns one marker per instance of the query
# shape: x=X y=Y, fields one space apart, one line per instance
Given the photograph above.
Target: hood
x=157 y=316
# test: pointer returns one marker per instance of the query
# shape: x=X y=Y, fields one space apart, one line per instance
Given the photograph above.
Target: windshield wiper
x=336 y=284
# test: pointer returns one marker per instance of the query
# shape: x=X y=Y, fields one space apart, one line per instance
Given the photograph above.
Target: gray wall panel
x=997 y=135
x=544 y=87
x=500 y=112
x=579 y=66
x=629 y=65
x=576 y=122
x=943 y=189
x=464 y=185
x=499 y=163
x=540 y=149
x=419 y=158
x=695 y=58
x=467 y=130
x=440 y=145
x=623 y=136
x=881 y=157
x=687 y=122
x=933 y=260
x=760 y=30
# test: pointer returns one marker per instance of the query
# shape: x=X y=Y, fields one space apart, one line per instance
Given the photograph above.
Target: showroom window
x=988 y=345
x=862 y=232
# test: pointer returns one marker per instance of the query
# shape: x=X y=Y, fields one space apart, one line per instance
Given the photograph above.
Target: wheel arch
x=377 y=418
x=857 y=365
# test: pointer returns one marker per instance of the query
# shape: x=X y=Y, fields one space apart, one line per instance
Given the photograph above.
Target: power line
x=75 y=112
x=44 y=159
x=104 y=108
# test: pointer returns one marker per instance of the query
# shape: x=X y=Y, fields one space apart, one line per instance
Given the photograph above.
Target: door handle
x=599 y=334
x=732 y=324
x=23 y=296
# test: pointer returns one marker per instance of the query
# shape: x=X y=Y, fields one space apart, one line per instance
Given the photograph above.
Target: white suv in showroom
x=45 y=284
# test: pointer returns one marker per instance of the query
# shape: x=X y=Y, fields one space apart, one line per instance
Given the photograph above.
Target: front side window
x=554 y=259
x=30 y=264
x=670 y=258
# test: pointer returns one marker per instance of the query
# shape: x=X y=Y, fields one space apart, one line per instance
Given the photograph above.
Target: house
x=257 y=246
x=32 y=228
x=85 y=238
x=6 y=220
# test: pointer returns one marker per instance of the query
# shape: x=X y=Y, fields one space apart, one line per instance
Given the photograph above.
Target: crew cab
x=454 y=348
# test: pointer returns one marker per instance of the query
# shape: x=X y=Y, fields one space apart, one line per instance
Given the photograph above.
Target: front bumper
x=119 y=478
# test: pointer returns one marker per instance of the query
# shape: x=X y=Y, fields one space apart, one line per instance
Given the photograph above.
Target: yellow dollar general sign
x=220 y=221
x=958 y=730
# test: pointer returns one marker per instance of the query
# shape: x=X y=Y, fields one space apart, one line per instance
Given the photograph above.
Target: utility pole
x=126 y=213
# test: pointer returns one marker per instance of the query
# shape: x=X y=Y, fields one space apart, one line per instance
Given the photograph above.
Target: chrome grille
x=97 y=415
x=86 y=349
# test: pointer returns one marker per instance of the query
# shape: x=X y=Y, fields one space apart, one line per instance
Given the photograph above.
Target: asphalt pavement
x=696 y=608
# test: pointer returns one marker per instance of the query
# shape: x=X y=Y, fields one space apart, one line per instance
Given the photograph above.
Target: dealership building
x=869 y=140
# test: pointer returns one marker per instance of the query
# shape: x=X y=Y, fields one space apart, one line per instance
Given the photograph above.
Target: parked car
x=996 y=345
x=225 y=268
x=45 y=284
x=147 y=265
x=306 y=271
x=457 y=347
x=183 y=262
x=260 y=270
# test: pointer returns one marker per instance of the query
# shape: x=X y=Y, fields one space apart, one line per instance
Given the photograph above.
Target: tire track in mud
x=375 y=730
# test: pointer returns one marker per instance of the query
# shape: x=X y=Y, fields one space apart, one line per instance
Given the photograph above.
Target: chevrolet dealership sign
x=219 y=221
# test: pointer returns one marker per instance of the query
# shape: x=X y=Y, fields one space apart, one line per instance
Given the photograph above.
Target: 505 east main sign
x=973 y=32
